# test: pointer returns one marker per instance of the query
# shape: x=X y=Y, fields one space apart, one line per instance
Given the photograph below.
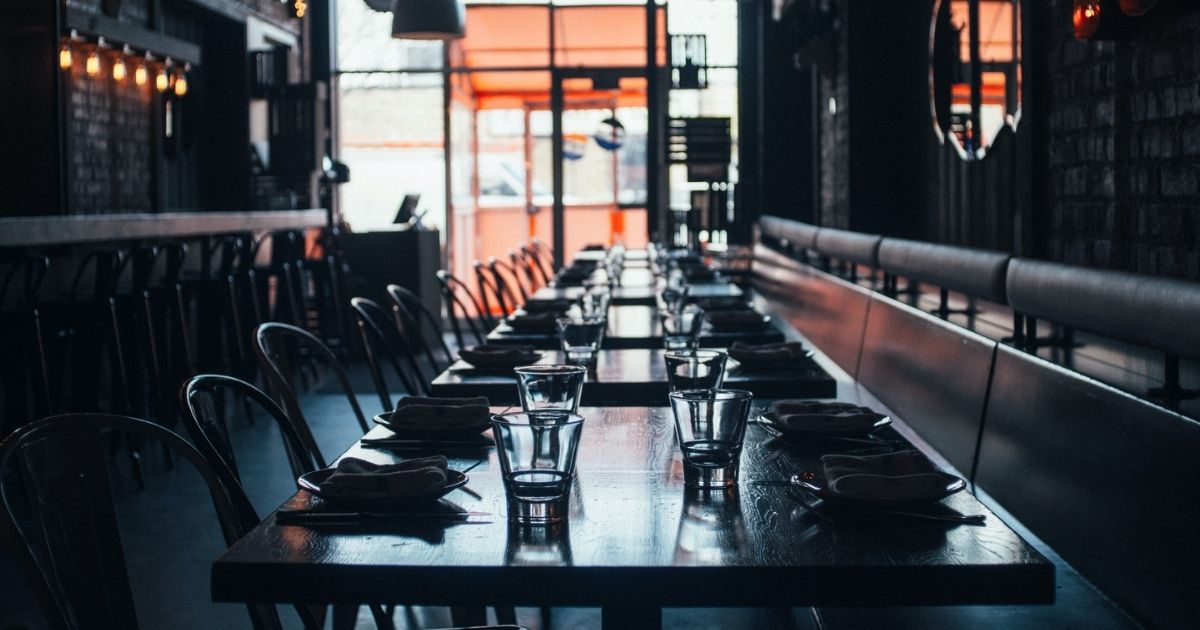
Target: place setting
x=784 y=355
x=825 y=425
x=426 y=423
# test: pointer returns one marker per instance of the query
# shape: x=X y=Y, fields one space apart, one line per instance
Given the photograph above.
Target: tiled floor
x=170 y=536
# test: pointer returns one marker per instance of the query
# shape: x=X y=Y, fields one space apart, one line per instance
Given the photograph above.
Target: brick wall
x=1123 y=187
x=835 y=136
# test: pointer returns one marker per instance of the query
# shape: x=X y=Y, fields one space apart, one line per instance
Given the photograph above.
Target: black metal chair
x=508 y=269
x=534 y=262
x=383 y=342
x=60 y=523
x=416 y=319
x=545 y=254
x=459 y=314
x=489 y=291
x=279 y=347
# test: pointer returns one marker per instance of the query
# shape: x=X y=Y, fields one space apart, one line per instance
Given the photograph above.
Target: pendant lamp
x=428 y=19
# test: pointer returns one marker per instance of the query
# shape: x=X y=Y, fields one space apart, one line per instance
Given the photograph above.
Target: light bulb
x=93 y=64
x=119 y=70
x=64 y=57
x=163 y=81
x=181 y=86
x=140 y=75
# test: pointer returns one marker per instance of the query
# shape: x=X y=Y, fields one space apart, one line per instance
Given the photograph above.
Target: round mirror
x=975 y=72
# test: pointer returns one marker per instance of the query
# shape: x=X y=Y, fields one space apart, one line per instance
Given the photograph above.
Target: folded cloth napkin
x=541 y=321
x=699 y=274
x=556 y=305
x=902 y=476
x=360 y=478
x=787 y=406
x=490 y=355
x=767 y=353
x=423 y=412
x=896 y=464
x=736 y=319
x=919 y=487
x=723 y=303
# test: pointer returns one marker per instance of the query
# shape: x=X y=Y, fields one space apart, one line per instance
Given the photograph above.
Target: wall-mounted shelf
x=134 y=35
x=96 y=228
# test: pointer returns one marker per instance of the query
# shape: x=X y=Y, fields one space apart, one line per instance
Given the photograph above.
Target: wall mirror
x=975 y=72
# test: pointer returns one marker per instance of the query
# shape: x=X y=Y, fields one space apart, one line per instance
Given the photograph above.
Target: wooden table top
x=632 y=326
x=637 y=540
x=638 y=378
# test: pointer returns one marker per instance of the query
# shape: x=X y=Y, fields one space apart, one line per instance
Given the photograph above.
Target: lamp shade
x=428 y=19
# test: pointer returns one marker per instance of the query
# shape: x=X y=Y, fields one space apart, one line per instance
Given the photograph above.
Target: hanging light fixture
x=119 y=71
x=162 y=82
x=428 y=19
x=65 y=56
x=92 y=65
x=140 y=74
x=181 y=84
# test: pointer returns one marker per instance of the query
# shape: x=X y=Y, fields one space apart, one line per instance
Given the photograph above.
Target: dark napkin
x=902 y=476
x=362 y=479
x=818 y=417
x=542 y=321
x=736 y=319
x=767 y=353
x=723 y=303
x=556 y=305
x=699 y=274
x=491 y=355
x=419 y=412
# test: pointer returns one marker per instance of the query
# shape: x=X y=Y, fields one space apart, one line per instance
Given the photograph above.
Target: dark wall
x=1123 y=146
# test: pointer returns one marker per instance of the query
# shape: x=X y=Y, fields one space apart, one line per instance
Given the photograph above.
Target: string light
x=140 y=76
x=300 y=7
x=162 y=82
x=181 y=85
x=64 y=56
x=119 y=71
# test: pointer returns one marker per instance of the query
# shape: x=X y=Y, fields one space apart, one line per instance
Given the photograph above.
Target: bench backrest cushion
x=1162 y=313
x=862 y=249
x=829 y=311
x=797 y=234
x=932 y=374
x=976 y=272
x=1111 y=482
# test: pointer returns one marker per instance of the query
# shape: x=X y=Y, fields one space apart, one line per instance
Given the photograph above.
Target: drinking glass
x=673 y=298
x=681 y=329
x=695 y=369
x=550 y=387
x=710 y=425
x=537 y=462
x=595 y=303
x=581 y=337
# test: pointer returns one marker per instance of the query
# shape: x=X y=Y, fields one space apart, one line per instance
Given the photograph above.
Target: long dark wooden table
x=638 y=378
x=637 y=541
x=638 y=327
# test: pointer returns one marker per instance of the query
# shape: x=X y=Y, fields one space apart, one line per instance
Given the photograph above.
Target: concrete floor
x=170 y=536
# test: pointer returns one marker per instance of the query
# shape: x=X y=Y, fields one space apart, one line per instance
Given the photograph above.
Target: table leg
x=631 y=616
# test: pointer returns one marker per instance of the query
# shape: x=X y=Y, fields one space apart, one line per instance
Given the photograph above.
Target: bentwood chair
x=520 y=262
x=60 y=523
x=419 y=324
x=382 y=342
x=472 y=319
x=511 y=272
x=279 y=348
x=545 y=254
x=534 y=262
x=489 y=290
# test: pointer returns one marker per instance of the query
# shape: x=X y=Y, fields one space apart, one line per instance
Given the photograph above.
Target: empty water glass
x=537 y=462
x=595 y=303
x=681 y=329
x=550 y=387
x=581 y=337
x=695 y=369
x=710 y=425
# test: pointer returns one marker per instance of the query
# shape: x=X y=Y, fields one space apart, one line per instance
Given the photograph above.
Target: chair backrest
x=521 y=262
x=489 y=290
x=60 y=522
x=1147 y=310
x=932 y=374
x=280 y=347
x=975 y=272
x=534 y=261
x=545 y=253
x=831 y=312
x=420 y=323
x=383 y=342
x=500 y=269
x=1106 y=479
x=458 y=312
